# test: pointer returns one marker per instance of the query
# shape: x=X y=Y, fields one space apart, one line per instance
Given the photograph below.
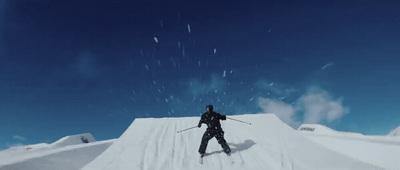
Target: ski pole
x=186 y=129
x=239 y=120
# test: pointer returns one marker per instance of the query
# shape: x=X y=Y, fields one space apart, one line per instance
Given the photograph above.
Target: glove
x=223 y=117
x=199 y=125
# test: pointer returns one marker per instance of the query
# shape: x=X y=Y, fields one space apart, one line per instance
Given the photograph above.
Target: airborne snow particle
x=199 y=64
x=224 y=74
x=215 y=50
x=269 y=30
x=161 y=23
x=188 y=28
x=19 y=137
x=159 y=63
x=156 y=39
x=147 y=67
x=141 y=52
x=326 y=66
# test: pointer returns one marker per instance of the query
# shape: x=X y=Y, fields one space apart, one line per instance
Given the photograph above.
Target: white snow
x=68 y=153
x=268 y=143
x=73 y=140
x=381 y=151
x=395 y=132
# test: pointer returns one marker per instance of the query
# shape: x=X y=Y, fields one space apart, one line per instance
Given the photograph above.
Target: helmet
x=210 y=108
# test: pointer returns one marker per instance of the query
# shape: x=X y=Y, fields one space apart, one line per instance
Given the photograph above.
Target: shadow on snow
x=235 y=147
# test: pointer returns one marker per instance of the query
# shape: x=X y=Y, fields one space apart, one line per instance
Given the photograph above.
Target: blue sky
x=69 y=67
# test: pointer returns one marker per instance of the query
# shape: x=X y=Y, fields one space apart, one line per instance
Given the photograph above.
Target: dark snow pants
x=219 y=135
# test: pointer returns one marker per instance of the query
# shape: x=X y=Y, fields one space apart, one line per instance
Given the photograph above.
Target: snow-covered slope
x=395 y=132
x=68 y=153
x=73 y=140
x=318 y=129
x=381 y=151
x=267 y=143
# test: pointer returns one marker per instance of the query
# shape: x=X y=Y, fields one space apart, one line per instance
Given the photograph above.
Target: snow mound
x=395 y=132
x=267 y=143
x=68 y=153
x=380 y=151
x=73 y=140
x=65 y=141
x=39 y=146
x=318 y=129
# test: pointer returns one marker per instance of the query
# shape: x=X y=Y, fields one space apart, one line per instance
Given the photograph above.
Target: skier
x=214 y=129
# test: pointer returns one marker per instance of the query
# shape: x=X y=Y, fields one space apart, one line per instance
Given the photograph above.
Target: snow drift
x=267 y=143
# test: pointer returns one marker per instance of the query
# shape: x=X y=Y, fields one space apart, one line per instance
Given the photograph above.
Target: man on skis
x=214 y=129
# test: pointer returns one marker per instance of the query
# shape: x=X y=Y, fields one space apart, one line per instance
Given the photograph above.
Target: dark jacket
x=212 y=120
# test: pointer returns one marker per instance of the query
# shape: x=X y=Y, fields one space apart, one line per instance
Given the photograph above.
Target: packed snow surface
x=381 y=151
x=267 y=143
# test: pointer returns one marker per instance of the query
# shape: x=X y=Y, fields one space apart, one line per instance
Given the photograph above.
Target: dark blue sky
x=69 y=67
